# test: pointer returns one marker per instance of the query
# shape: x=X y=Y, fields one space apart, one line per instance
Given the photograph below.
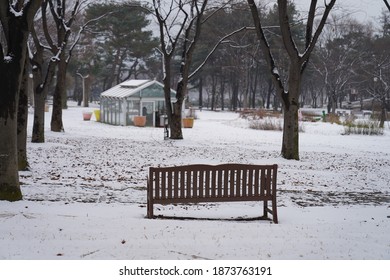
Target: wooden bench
x=213 y=183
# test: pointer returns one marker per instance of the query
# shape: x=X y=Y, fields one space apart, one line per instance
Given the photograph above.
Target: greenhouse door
x=148 y=111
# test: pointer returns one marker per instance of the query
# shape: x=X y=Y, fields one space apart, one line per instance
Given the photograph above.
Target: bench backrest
x=203 y=183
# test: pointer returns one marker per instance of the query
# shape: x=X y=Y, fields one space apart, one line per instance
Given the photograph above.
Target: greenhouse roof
x=137 y=89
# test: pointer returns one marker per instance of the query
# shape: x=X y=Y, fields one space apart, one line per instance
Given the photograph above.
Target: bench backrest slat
x=164 y=185
x=201 y=184
x=176 y=184
x=202 y=181
x=250 y=182
x=262 y=183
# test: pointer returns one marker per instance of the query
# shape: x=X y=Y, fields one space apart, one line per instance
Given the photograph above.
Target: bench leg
x=265 y=209
x=150 y=210
x=274 y=211
x=149 y=200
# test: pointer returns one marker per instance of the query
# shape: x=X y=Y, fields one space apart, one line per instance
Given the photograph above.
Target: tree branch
x=310 y=47
x=310 y=22
x=48 y=38
x=221 y=41
x=264 y=45
x=81 y=30
x=285 y=29
x=387 y=4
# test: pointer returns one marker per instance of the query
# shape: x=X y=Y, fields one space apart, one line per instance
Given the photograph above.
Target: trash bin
x=162 y=120
x=97 y=115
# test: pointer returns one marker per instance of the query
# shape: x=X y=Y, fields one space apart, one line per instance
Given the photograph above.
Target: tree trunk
x=235 y=86
x=41 y=87
x=15 y=32
x=56 y=117
x=9 y=179
x=115 y=65
x=383 y=112
x=78 y=90
x=290 y=144
x=176 y=127
x=200 y=93
x=10 y=79
x=222 y=90
x=38 y=133
x=86 y=90
x=213 y=91
x=254 y=87
x=22 y=122
x=269 y=93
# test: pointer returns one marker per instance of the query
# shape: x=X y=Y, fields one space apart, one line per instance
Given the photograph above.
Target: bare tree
x=179 y=25
x=338 y=57
x=376 y=74
x=64 y=14
x=43 y=72
x=289 y=92
x=16 y=18
x=44 y=64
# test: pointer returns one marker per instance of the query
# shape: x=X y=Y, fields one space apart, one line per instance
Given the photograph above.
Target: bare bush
x=363 y=127
x=267 y=124
x=271 y=123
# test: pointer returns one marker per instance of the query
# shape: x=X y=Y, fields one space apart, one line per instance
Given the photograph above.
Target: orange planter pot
x=139 y=121
x=188 y=122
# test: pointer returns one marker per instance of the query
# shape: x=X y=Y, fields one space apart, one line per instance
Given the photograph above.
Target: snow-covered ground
x=85 y=195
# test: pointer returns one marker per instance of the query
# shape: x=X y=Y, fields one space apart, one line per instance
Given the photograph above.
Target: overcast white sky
x=364 y=10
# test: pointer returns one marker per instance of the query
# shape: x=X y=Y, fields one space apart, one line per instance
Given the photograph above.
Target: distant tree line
x=343 y=67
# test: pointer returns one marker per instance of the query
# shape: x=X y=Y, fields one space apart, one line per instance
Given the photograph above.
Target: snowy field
x=85 y=196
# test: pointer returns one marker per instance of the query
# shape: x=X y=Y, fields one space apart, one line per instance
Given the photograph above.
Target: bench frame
x=213 y=183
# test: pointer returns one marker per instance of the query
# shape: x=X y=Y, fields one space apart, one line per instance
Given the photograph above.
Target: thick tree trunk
x=175 y=125
x=10 y=79
x=38 y=133
x=56 y=117
x=290 y=144
x=9 y=179
x=15 y=32
x=41 y=88
x=22 y=122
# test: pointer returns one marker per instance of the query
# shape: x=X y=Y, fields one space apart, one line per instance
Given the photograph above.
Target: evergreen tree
x=120 y=42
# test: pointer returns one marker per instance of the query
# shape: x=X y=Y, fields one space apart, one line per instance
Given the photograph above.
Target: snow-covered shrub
x=363 y=127
x=266 y=124
x=271 y=124
x=333 y=118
